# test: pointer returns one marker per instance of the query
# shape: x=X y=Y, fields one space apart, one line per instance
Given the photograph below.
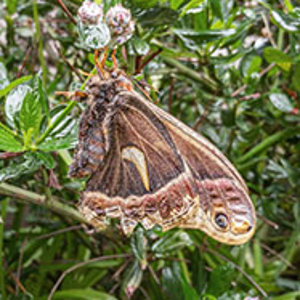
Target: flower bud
x=90 y=13
x=120 y=23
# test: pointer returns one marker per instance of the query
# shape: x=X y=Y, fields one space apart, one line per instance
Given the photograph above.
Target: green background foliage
x=229 y=69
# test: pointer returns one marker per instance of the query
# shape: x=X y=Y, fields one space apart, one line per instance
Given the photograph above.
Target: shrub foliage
x=229 y=69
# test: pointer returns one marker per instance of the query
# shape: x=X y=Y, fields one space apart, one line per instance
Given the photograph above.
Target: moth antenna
x=98 y=65
x=76 y=95
x=86 y=73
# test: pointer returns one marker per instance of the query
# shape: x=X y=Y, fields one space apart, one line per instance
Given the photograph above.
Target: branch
x=199 y=77
x=82 y=264
x=65 y=9
x=268 y=142
x=51 y=204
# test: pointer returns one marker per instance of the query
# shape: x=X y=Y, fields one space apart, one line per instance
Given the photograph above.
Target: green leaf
x=191 y=4
x=27 y=164
x=175 y=284
x=144 y=4
x=141 y=47
x=158 y=16
x=217 y=8
x=53 y=125
x=40 y=93
x=172 y=241
x=54 y=144
x=250 y=64
x=3 y=77
x=288 y=296
x=286 y=21
x=8 y=142
x=82 y=294
x=296 y=76
x=273 y=55
x=174 y=4
x=138 y=244
x=13 y=84
x=203 y=36
x=11 y=6
x=281 y=102
x=30 y=114
x=13 y=104
x=46 y=159
x=220 y=279
x=132 y=279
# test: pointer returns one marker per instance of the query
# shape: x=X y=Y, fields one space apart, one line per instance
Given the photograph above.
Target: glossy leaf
x=4 y=90
x=281 y=102
x=175 y=286
x=4 y=82
x=132 y=279
x=157 y=16
x=26 y=165
x=46 y=159
x=53 y=143
x=273 y=55
x=30 y=114
x=286 y=22
x=14 y=102
x=172 y=241
x=83 y=294
x=220 y=280
x=139 y=247
x=8 y=141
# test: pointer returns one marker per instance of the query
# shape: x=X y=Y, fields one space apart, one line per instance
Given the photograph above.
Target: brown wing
x=142 y=156
x=158 y=169
x=219 y=187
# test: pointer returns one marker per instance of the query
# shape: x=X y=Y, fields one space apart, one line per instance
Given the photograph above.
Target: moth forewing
x=157 y=170
x=222 y=186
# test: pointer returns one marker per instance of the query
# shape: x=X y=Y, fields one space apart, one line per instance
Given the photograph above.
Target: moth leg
x=98 y=221
x=148 y=223
x=128 y=225
x=113 y=57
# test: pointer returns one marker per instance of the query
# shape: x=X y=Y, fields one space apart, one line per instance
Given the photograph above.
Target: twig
x=82 y=264
x=155 y=277
x=19 y=270
x=278 y=255
x=53 y=204
x=269 y=34
x=120 y=270
x=60 y=231
x=66 y=10
x=18 y=283
x=170 y=97
x=257 y=286
x=8 y=155
x=28 y=52
x=261 y=74
x=39 y=40
x=203 y=116
x=146 y=62
x=269 y=222
x=268 y=142
x=68 y=63
x=188 y=72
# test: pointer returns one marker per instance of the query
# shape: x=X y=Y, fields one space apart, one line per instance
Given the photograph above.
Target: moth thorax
x=123 y=83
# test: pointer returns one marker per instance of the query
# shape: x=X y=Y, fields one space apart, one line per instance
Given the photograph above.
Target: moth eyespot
x=221 y=220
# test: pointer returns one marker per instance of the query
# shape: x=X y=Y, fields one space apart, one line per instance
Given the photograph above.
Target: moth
x=145 y=166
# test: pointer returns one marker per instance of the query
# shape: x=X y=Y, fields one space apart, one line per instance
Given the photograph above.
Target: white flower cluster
x=97 y=32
